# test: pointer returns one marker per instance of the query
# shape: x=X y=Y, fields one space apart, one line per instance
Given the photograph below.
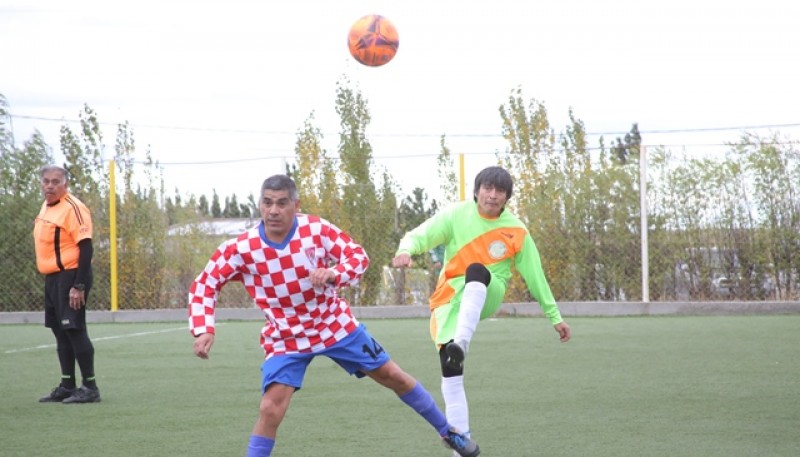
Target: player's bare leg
x=271 y=412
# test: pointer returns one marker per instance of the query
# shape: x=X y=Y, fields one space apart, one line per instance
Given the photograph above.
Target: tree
x=20 y=201
x=769 y=251
x=216 y=209
x=142 y=228
x=580 y=212
x=623 y=150
x=6 y=135
x=617 y=220
x=448 y=182
x=203 y=206
x=307 y=173
x=531 y=143
x=366 y=212
x=413 y=211
x=250 y=209
x=84 y=154
x=232 y=208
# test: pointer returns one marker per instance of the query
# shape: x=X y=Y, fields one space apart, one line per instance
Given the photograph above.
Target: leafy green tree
x=413 y=211
x=725 y=228
x=180 y=211
x=667 y=279
x=232 y=209
x=628 y=149
x=575 y=189
x=618 y=222
x=315 y=174
x=20 y=201
x=141 y=229
x=689 y=199
x=531 y=143
x=203 y=208
x=250 y=209
x=768 y=254
x=6 y=135
x=580 y=213
x=310 y=157
x=330 y=198
x=216 y=208
x=448 y=182
x=365 y=213
x=84 y=153
x=173 y=207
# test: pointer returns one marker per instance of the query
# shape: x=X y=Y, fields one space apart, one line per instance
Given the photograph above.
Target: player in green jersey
x=482 y=241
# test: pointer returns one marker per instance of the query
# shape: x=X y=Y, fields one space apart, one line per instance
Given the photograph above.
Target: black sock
x=89 y=382
x=67 y=381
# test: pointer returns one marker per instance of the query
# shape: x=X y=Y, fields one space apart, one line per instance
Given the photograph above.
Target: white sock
x=470 y=312
x=455 y=401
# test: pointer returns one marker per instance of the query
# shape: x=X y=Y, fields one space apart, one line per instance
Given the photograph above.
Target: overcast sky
x=234 y=80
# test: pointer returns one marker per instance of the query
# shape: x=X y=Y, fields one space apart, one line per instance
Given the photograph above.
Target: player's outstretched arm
x=202 y=345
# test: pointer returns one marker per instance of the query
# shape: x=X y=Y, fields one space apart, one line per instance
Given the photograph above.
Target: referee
x=62 y=236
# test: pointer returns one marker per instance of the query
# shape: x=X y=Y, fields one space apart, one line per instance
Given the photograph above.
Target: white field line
x=103 y=338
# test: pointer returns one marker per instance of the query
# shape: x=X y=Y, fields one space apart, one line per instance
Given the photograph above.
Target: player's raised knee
x=478 y=272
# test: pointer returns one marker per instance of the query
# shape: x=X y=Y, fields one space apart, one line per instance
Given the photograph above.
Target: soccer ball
x=373 y=40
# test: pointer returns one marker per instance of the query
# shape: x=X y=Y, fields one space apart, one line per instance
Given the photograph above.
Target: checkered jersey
x=299 y=317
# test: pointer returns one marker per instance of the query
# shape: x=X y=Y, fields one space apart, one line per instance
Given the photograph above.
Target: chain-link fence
x=717 y=229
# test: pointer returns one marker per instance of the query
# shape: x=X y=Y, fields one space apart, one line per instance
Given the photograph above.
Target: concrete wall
x=508 y=309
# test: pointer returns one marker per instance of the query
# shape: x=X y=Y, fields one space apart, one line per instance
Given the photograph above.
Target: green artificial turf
x=625 y=386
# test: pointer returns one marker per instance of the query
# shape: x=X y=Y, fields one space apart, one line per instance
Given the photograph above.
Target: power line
x=718 y=129
x=218 y=162
x=149 y=126
x=422 y=155
x=409 y=135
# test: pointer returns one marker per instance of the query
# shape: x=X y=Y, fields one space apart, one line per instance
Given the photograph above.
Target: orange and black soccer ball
x=373 y=40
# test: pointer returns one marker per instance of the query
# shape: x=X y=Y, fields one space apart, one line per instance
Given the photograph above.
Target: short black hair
x=494 y=176
x=280 y=182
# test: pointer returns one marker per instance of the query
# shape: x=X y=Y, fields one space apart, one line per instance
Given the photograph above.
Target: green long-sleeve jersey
x=469 y=237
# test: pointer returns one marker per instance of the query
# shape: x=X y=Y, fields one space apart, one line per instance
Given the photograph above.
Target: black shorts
x=57 y=313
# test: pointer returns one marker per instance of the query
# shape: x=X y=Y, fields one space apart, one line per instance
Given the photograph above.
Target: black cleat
x=461 y=443
x=84 y=395
x=57 y=395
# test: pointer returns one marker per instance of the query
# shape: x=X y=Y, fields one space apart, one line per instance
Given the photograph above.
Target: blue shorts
x=358 y=354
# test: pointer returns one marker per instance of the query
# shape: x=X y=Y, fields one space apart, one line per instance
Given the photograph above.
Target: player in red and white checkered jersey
x=292 y=264
x=276 y=275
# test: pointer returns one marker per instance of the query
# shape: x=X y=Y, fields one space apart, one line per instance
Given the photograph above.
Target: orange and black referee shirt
x=57 y=231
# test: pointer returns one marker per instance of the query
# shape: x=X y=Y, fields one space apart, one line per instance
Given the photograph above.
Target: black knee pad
x=447 y=370
x=478 y=272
